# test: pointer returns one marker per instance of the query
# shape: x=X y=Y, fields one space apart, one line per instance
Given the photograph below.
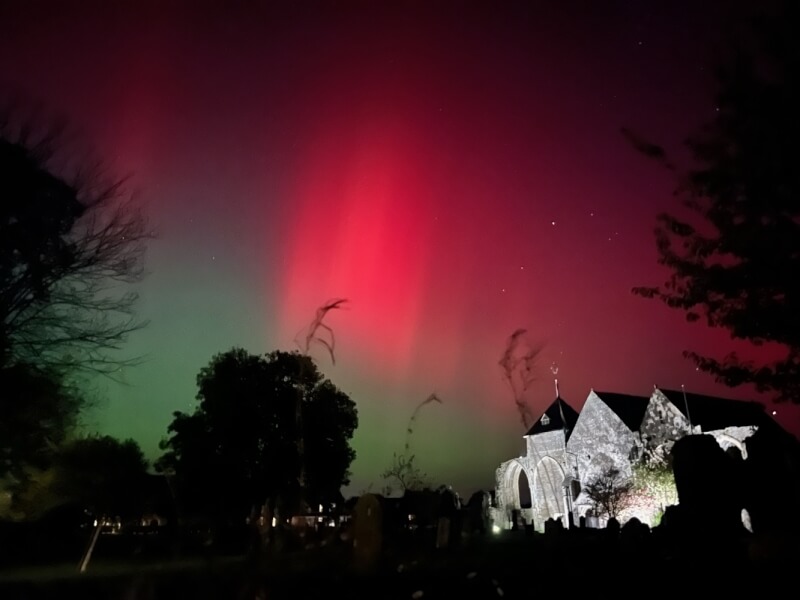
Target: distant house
x=565 y=449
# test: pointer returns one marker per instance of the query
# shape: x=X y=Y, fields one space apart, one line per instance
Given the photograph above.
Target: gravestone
x=443 y=532
x=367 y=532
x=708 y=486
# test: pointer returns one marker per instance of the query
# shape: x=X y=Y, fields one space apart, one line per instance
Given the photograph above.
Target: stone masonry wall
x=663 y=425
x=546 y=464
x=734 y=437
x=601 y=441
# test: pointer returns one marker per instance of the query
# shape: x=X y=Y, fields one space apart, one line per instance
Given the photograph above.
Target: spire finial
x=554 y=371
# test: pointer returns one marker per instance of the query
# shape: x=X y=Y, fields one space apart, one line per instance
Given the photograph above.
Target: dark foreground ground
x=509 y=565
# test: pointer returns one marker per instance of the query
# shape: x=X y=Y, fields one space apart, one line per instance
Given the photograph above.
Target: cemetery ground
x=508 y=565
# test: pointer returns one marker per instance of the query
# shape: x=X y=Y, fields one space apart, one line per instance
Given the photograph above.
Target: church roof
x=630 y=409
x=554 y=420
x=713 y=413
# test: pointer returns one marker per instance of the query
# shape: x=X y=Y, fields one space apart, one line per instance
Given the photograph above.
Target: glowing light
x=495 y=529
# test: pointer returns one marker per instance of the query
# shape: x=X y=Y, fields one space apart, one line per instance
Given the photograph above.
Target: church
x=565 y=449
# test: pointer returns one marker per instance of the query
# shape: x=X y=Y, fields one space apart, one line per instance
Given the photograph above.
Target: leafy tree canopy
x=735 y=257
x=37 y=412
x=101 y=474
x=239 y=449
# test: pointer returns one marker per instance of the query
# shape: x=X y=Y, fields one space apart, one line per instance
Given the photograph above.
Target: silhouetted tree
x=735 y=255
x=71 y=240
x=104 y=475
x=37 y=413
x=405 y=474
x=101 y=475
x=238 y=449
x=609 y=493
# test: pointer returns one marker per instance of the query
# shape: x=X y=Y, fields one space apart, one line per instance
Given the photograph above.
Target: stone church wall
x=662 y=426
x=601 y=441
x=733 y=437
x=546 y=462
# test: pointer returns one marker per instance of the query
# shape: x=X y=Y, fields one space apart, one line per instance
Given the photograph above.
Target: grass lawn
x=506 y=566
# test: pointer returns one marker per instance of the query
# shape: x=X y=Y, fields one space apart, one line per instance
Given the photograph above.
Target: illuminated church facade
x=565 y=449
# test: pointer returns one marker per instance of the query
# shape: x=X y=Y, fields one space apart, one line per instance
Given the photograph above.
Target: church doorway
x=524 y=490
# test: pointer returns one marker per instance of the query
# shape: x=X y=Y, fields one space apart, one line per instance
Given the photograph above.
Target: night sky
x=455 y=172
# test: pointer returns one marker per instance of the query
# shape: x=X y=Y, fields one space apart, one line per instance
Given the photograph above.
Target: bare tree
x=72 y=242
x=405 y=473
x=517 y=362
x=609 y=492
x=403 y=470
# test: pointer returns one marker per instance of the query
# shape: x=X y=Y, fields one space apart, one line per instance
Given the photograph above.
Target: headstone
x=443 y=532
x=367 y=532
x=709 y=489
x=612 y=527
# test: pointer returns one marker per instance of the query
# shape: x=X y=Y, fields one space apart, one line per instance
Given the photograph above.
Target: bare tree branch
x=405 y=473
x=72 y=244
x=609 y=492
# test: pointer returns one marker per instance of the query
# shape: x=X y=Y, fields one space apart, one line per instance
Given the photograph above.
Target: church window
x=545 y=420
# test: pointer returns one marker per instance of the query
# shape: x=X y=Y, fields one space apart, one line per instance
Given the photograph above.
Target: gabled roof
x=554 y=419
x=630 y=409
x=711 y=412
